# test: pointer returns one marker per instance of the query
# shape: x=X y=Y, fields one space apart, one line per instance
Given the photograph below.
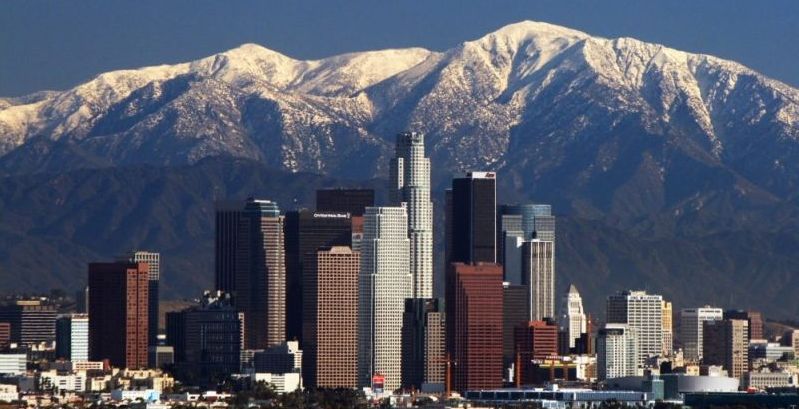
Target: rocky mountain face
x=657 y=154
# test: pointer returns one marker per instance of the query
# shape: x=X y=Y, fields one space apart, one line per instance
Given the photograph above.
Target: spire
x=573 y=289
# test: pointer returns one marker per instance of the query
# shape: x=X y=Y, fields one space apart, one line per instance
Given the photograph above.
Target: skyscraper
x=538 y=269
x=385 y=282
x=572 y=315
x=32 y=321
x=474 y=328
x=250 y=265
x=753 y=318
x=118 y=313
x=423 y=339
x=726 y=343
x=352 y=201
x=330 y=327
x=617 y=352
x=668 y=328
x=410 y=183
x=261 y=274
x=518 y=223
x=472 y=219
x=226 y=238
x=153 y=261
x=206 y=338
x=643 y=313
x=515 y=311
x=691 y=324
x=314 y=230
x=72 y=337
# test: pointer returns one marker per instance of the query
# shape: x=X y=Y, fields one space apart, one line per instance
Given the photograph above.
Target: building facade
x=409 y=179
x=352 y=201
x=119 y=313
x=330 y=329
x=423 y=335
x=617 y=352
x=668 y=328
x=519 y=223
x=572 y=316
x=643 y=314
x=515 y=311
x=691 y=324
x=31 y=321
x=754 y=321
x=153 y=261
x=250 y=265
x=534 y=341
x=384 y=283
x=726 y=343
x=72 y=337
x=471 y=219
x=206 y=338
x=474 y=331
x=314 y=230
x=538 y=274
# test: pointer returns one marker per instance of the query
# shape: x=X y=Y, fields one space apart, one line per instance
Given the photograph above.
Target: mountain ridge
x=685 y=160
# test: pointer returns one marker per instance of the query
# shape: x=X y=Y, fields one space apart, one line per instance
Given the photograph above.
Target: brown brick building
x=118 y=307
x=474 y=331
x=726 y=343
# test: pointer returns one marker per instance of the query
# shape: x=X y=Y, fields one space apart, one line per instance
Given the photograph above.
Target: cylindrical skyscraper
x=410 y=183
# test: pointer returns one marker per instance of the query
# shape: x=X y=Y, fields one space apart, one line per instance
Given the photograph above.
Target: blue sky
x=57 y=44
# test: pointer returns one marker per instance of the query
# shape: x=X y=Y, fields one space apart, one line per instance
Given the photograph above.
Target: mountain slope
x=680 y=166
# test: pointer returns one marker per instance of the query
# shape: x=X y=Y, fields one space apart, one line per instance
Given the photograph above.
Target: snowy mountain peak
x=482 y=104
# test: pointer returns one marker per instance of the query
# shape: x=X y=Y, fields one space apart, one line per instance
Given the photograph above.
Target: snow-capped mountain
x=622 y=121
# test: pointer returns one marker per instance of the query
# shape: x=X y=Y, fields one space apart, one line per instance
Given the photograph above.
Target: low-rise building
x=767 y=379
x=8 y=393
x=13 y=364
x=283 y=382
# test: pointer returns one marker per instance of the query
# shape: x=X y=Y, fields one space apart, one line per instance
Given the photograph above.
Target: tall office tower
x=5 y=335
x=533 y=341
x=538 y=275
x=474 y=331
x=643 y=313
x=423 y=358
x=668 y=328
x=448 y=238
x=226 y=237
x=515 y=311
x=72 y=337
x=410 y=183
x=754 y=319
x=518 y=223
x=261 y=274
x=119 y=314
x=330 y=326
x=691 y=322
x=352 y=201
x=572 y=316
x=206 y=338
x=32 y=321
x=472 y=219
x=153 y=261
x=617 y=352
x=384 y=283
x=314 y=230
x=726 y=343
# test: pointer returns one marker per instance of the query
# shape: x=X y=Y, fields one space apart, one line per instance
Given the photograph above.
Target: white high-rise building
x=538 y=274
x=643 y=313
x=72 y=337
x=385 y=282
x=410 y=183
x=572 y=315
x=691 y=320
x=617 y=352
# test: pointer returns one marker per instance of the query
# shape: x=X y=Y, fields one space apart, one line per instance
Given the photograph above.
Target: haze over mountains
x=671 y=171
